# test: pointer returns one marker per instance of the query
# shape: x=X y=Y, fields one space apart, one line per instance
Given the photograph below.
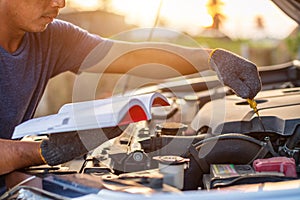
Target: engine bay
x=205 y=140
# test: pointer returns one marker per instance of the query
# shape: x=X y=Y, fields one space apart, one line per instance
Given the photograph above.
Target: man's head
x=29 y=15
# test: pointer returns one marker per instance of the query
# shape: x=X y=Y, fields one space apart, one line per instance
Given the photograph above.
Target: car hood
x=290 y=7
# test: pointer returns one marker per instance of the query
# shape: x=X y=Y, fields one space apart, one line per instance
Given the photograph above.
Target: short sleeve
x=70 y=45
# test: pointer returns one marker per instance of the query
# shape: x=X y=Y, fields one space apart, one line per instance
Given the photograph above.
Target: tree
x=214 y=8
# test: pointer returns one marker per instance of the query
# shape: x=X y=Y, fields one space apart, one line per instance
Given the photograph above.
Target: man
x=34 y=47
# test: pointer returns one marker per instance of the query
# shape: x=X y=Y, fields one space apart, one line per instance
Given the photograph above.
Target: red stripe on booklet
x=135 y=114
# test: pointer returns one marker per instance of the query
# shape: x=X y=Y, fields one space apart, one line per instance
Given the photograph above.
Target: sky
x=191 y=16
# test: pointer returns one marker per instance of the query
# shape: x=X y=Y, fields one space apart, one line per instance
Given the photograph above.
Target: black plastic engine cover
x=279 y=111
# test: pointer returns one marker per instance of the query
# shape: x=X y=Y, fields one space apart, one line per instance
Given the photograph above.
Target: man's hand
x=63 y=147
x=236 y=72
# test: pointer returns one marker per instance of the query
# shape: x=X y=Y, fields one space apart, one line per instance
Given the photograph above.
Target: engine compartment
x=203 y=141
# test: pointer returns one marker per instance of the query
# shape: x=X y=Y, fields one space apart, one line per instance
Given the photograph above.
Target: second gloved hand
x=63 y=147
x=236 y=72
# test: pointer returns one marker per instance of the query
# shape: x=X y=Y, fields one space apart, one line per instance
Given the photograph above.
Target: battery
x=284 y=165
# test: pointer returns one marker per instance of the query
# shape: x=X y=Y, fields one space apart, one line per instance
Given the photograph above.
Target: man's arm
x=18 y=154
x=164 y=60
x=150 y=60
x=57 y=149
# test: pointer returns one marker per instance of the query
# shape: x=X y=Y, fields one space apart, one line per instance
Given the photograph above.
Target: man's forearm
x=151 y=60
x=18 y=154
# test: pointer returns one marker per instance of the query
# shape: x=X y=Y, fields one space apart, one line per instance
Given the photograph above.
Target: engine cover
x=278 y=109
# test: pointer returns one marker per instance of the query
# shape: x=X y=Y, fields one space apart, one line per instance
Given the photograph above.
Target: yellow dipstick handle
x=253 y=105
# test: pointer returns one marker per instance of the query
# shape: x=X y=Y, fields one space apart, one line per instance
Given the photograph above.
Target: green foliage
x=226 y=43
x=293 y=44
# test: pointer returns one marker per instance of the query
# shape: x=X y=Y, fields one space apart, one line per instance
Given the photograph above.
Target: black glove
x=63 y=147
x=236 y=72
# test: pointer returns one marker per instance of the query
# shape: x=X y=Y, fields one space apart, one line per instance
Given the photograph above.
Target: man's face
x=30 y=15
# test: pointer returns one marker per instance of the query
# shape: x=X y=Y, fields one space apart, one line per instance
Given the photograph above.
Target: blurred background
x=256 y=29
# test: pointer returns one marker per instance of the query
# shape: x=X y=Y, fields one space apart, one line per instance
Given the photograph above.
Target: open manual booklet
x=102 y=113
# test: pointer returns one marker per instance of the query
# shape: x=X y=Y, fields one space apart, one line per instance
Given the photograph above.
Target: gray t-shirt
x=24 y=74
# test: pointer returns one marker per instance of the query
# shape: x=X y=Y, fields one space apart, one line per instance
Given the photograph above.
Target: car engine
x=206 y=139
